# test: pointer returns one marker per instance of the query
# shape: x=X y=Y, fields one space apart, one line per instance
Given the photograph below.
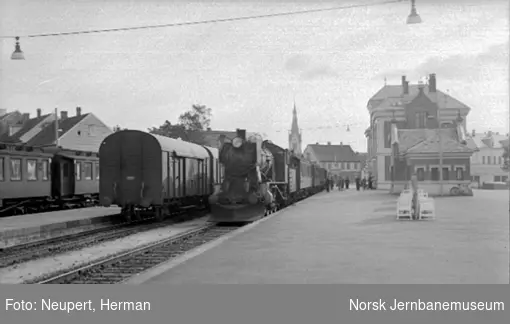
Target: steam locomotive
x=261 y=178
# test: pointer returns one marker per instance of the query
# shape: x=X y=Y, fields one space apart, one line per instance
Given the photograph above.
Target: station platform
x=22 y=229
x=354 y=237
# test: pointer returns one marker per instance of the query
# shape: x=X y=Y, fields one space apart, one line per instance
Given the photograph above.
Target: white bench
x=426 y=207
x=405 y=206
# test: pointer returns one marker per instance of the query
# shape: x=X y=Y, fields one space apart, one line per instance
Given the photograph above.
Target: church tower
x=295 y=134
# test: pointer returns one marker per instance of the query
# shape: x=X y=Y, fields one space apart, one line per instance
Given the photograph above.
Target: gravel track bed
x=36 y=250
x=121 y=267
x=75 y=258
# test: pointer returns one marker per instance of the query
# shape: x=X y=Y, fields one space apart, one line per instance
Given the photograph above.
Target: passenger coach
x=142 y=171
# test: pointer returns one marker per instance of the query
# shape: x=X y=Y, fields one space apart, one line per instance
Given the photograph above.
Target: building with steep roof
x=339 y=160
x=410 y=107
x=487 y=161
x=28 y=128
x=11 y=122
x=82 y=132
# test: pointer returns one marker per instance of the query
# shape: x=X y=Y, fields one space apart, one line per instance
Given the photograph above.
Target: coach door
x=131 y=175
x=67 y=174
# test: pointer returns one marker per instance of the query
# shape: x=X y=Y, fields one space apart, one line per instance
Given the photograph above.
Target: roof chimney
x=26 y=116
x=329 y=143
x=341 y=143
x=78 y=111
x=405 y=85
x=432 y=82
x=63 y=114
x=38 y=112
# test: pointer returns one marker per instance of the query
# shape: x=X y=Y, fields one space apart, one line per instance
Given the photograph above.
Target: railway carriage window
x=15 y=169
x=2 y=169
x=97 y=170
x=77 y=170
x=44 y=169
x=87 y=169
x=31 y=170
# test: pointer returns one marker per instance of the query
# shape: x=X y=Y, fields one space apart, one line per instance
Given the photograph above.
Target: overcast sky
x=249 y=72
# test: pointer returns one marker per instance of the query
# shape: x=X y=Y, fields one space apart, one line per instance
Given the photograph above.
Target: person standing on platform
x=370 y=182
x=358 y=183
x=364 y=184
x=342 y=183
x=327 y=184
x=347 y=183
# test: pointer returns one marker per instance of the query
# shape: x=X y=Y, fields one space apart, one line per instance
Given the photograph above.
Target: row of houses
x=83 y=131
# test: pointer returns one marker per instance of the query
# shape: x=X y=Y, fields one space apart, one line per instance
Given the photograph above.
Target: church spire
x=295 y=134
x=295 y=128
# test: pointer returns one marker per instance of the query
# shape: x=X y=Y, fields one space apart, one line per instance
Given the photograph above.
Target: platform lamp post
x=393 y=157
x=440 y=149
x=413 y=17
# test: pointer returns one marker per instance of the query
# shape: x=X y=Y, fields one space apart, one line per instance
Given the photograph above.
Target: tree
x=198 y=118
x=191 y=124
x=117 y=128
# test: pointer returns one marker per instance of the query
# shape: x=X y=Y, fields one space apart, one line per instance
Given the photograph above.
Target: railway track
x=36 y=250
x=119 y=268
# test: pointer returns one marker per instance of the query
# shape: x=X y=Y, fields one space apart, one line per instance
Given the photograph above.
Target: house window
x=348 y=166
x=44 y=170
x=483 y=159
x=421 y=119
x=77 y=170
x=87 y=170
x=488 y=160
x=460 y=173
x=2 y=169
x=497 y=178
x=420 y=173
x=504 y=178
x=97 y=171
x=446 y=174
x=31 y=170
x=15 y=169
x=434 y=174
x=494 y=158
x=500 y=160
x=387 y=134
x=341 y=165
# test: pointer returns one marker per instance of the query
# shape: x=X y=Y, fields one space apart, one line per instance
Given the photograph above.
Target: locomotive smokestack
x=241 y=133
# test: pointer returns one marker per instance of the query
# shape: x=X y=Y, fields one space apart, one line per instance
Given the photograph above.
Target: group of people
x=365 y=183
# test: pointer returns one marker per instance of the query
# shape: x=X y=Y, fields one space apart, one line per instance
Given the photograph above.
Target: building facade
x=407 y=106
x=487 y=160
x=340 y=160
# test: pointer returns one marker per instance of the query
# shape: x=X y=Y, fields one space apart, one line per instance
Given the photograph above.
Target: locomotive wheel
x=136 y=215
x=126 y=215
x=158 y=213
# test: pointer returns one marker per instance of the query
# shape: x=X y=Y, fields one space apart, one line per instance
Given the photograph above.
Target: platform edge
x=168 y=265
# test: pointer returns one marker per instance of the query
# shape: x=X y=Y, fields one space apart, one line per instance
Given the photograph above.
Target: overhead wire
x=210 y=21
